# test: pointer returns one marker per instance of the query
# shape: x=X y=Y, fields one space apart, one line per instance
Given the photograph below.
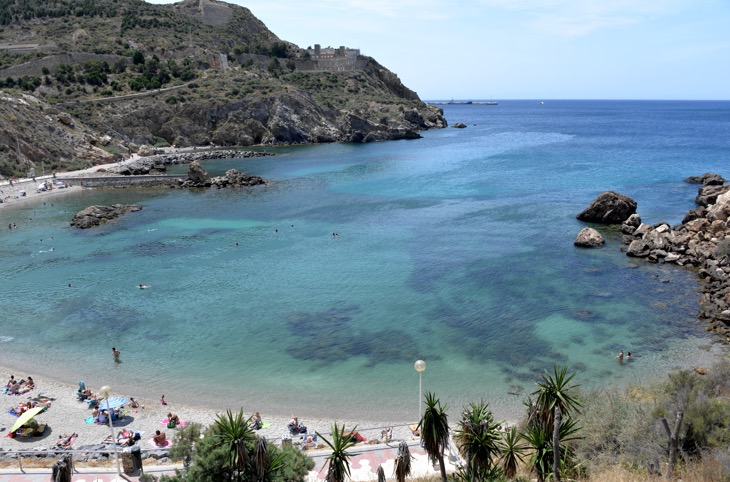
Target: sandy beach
x=67 y=415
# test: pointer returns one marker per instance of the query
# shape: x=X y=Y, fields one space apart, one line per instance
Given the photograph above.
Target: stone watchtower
x=317 y=50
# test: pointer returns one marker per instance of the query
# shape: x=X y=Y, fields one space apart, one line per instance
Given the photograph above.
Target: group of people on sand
x=25 y=406
x=16 y=387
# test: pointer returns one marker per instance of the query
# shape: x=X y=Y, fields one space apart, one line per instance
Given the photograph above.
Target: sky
x=524 y=49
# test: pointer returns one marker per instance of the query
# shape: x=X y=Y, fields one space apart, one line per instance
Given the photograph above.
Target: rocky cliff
x=113 y=75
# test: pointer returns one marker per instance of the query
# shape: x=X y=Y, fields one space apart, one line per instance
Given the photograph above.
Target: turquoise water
x=455 y=248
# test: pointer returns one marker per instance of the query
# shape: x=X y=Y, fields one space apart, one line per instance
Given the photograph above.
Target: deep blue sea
x=456 y=249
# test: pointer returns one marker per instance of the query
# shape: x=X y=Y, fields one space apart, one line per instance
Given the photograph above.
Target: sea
x=315 y=295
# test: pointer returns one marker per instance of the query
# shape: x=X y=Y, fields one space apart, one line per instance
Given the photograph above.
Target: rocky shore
x=701 y=242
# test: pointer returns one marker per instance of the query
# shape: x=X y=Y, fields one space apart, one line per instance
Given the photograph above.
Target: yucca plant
x=434 y=427
x=402 y=467
x=555 y=390
x=478 y=439
x=541 y=443
x=513 y=452
x=235 y=433
x=266 y=463
x=339 y=459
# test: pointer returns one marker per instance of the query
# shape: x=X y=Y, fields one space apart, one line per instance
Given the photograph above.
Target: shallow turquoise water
x=456 y=248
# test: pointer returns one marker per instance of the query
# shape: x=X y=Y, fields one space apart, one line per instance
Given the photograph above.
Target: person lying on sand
x=65 y=440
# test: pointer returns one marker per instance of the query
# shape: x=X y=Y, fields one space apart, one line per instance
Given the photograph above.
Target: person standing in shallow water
x=621 y=357
x=116 y=353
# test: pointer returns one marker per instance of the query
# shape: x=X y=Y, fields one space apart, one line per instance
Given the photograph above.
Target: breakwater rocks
x=158 y=163
x=701 y=242
x=96 y=215
x=198 y=177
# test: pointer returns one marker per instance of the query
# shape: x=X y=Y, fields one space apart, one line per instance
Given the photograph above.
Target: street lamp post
x=105 y=391
x=420 y=367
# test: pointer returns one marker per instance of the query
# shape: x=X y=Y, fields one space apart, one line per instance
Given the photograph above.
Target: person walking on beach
x=115 y=354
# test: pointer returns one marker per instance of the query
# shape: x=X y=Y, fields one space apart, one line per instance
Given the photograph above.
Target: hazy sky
x=525 y=49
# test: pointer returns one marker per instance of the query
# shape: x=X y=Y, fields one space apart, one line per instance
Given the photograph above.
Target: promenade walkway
x=364 y=466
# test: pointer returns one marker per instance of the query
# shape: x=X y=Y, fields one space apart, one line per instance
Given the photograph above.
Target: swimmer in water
x=143 y=287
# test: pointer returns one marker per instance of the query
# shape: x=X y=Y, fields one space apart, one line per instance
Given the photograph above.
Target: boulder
x=609 y=208
x=707 y=179
x=459 y=125
x=197 y=175
x=707 y=195
x=96 y=215
x=589 y=238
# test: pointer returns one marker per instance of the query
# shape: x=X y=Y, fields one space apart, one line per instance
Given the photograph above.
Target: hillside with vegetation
x=125 y=73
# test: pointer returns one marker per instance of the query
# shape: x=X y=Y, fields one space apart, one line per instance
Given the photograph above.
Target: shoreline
x=66 y=416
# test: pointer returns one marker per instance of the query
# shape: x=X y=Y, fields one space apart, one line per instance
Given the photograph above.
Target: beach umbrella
x=111 y=403
x=25 y=416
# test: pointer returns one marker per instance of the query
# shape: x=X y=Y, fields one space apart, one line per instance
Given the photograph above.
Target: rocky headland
x=208 y=73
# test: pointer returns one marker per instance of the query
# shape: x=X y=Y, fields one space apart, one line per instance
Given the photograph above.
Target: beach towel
x=165 y=421
x=12 y=412
x=168 y=443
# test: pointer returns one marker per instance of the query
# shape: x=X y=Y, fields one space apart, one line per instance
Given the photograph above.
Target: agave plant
x=339 y=459
x=434 y=427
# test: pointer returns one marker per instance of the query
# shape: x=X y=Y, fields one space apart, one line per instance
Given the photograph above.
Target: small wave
x=150 y=230
x=6 y=339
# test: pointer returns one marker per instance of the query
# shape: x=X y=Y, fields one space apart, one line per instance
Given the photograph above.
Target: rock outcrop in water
x=198 y=177
x=589 y=238
x=702 y=242
x=96 y=215
x=609 y=208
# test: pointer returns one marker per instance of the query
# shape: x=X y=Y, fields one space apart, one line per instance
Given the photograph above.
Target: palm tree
x=402 y=467
x=512 y=452
x=339 y=459
x=478 y=439
x=235 y=433
x=555 y=390
x=434 y=427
